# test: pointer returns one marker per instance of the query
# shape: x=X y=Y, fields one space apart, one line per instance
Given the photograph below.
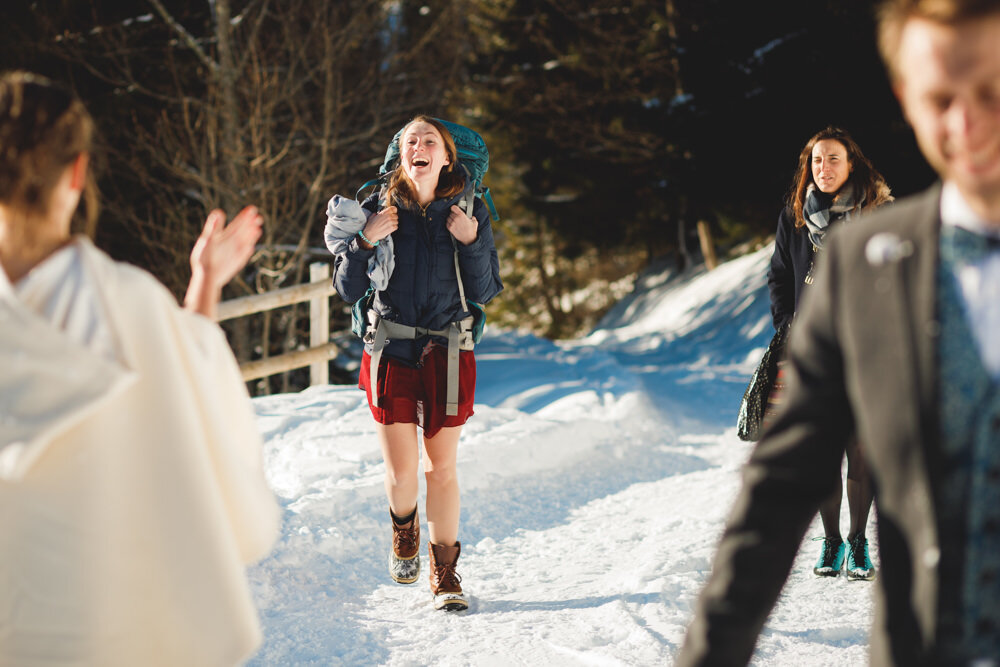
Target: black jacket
x=793 y=255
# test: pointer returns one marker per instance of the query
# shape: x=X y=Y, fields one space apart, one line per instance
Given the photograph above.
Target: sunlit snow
x=595 y=478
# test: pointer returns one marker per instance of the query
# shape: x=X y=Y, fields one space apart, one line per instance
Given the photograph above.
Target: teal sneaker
x=859 y=565
x=831 y=560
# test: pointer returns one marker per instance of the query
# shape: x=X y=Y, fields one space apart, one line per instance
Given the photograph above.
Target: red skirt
x=419 y=395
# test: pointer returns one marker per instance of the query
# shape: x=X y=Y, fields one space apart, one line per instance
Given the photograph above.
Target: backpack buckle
x=465 y=339
x=373 y=320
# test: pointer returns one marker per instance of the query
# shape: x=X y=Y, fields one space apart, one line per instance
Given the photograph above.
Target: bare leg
x=402 y=458
x=440 y=471
x=859 y=490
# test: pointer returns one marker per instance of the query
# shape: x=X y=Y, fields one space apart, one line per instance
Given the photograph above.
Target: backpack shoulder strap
x=458 y=274
x=374 y=181
x=488 y=198
x=468 y=196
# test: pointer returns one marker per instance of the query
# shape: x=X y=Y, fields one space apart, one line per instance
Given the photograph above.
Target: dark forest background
x=614 y=128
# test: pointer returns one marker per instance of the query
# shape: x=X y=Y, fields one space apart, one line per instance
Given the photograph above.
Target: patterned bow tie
x=967 y=246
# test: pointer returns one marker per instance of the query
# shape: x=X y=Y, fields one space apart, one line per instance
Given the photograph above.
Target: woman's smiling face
x=423 y=152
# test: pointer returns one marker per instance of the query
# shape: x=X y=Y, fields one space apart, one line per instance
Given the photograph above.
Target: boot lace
x=858 y=550
x=447 y=577
x=832 y=546
x=404 y=540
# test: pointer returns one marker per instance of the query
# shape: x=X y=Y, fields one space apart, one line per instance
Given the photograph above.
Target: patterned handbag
x=754 y=407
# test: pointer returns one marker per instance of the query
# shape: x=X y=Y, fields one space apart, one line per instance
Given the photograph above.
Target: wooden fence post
x=707 y=245
x=319 y=324
x=318 y=293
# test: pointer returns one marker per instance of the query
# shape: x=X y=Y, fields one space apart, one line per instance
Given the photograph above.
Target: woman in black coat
x=834 y=184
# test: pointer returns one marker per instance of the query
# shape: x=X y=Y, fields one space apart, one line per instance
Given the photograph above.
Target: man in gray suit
x=898 y=343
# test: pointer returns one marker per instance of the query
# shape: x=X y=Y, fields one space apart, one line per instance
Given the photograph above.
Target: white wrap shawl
x=132 y=491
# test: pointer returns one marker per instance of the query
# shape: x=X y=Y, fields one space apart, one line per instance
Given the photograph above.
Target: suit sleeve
x=781 y=274
x=792 y=470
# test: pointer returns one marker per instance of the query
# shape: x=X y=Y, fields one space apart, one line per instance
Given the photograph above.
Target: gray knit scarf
x=821 y=210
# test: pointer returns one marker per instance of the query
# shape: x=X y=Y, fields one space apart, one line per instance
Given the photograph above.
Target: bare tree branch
x=185 y=36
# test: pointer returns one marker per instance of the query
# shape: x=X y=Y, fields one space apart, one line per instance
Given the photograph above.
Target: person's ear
x=78 y=179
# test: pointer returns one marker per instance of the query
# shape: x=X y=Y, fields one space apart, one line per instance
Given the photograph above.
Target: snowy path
x=595 y=479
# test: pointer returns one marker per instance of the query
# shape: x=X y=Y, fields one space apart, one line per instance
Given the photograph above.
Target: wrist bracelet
x=367 y=240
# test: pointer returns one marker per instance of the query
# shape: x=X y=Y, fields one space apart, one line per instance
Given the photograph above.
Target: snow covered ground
x=595 y=478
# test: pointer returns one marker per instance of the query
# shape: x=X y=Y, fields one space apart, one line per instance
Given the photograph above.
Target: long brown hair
x=870 y=189
x=43 y=129
x=451 y=180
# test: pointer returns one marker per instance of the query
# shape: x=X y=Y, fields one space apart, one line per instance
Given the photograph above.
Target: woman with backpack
x=418 y=347
x=834 y=183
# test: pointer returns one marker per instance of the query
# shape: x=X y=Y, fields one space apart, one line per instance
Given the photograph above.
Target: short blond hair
x=892 y=15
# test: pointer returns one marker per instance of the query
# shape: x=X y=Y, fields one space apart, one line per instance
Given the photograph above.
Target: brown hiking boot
x=404 y=557
x=446 y=584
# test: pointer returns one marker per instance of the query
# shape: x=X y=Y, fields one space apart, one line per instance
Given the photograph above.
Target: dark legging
x=859 y=485
x=859 y=497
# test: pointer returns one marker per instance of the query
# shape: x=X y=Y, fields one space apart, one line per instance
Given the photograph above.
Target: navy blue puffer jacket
x=423 y=289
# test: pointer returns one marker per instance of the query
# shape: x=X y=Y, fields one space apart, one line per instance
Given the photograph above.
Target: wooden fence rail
x=317 y=292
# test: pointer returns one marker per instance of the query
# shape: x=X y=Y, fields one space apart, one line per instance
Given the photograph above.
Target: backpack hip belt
x=381 y=331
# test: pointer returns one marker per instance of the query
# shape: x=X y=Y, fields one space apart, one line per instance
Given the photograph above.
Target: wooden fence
x=317 y=292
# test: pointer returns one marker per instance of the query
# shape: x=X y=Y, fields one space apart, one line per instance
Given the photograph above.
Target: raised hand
x=382 y=224
x=462 y=227
x=220 y=252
